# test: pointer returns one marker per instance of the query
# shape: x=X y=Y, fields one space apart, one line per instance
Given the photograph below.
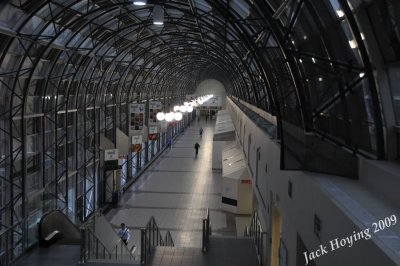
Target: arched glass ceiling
x=278 y=55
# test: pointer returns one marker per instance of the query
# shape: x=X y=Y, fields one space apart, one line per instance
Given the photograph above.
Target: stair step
x=113 y=262
x=223 y=251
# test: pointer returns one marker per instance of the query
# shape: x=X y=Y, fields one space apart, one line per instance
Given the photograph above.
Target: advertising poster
x=153 y=133
x=137 y=143
x=154 y=108
x=136 y=118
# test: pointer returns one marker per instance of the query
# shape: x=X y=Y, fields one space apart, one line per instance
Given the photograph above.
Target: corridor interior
x=177 y=189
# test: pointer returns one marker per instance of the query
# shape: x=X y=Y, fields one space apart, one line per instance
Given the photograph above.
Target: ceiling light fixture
x=158 y=15
x=140 y=2
x=340 y=13
x=353 y=44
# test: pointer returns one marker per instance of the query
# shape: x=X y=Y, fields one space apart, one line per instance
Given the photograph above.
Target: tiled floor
x=222 y=252
x=66 y=255
x=177 y=189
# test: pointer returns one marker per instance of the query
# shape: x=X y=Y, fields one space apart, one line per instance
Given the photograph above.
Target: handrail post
x=204 y=245
x=83 y=246
x=143 y=246
x=154 y=233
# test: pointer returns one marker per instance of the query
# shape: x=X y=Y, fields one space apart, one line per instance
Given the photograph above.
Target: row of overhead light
x=187 y=107
x=158 y=12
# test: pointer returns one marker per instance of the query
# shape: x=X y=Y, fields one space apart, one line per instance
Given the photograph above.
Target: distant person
x=201 y=132
x=196 y=147
x=124 y=233
x=169 y=143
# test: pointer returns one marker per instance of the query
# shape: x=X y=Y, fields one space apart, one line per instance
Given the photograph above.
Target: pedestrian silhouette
x=196 y=147
x=169 y=143
x=124 y=233
x=201 y=131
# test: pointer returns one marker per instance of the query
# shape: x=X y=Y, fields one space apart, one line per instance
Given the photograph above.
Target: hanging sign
x=164 y=126
x=154 y=108
x=136 y=118
x=137 y=143
x=110 y=155
x=153 y=133
x=137 y=139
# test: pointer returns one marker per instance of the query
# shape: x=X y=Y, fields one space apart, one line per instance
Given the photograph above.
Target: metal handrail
x=169 y=242
x=150 y=237
x=93 y=248
x=206 y=231
x=259 y=236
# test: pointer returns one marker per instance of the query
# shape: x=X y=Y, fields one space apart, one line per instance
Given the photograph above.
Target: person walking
x=169 y=143
x=201 y=132
x=124 y=233
x=196 y=147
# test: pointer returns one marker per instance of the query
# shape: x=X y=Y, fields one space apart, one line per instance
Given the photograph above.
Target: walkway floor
x=177 y=189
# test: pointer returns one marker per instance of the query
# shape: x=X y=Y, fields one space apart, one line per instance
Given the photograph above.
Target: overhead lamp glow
x=189 y=109
x=169 y=117
x=178 y=116
x=158 y=15
x=182 y=108
x=340 y=13
x=177 y=108
x=160 y=116
x=353 y=44
x=140 y=2
x=362 y=74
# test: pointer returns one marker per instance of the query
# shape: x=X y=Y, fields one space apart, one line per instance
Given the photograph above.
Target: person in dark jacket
x=196 y=147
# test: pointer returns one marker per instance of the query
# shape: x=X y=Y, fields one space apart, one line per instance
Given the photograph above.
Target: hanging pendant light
x=158 y=15
x=160 y=116
x=178 y=116
x=140 y=2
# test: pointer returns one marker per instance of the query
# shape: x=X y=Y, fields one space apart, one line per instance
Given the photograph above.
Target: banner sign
x=110 y=155
x=136 y=118
x=138 y=139
x=153 y=130
x=154 y=108
x=137 y=143
x=153 y=133
x=164 y=126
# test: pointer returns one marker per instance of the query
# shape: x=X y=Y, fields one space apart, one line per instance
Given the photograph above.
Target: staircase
x=100 y=244
x=223 y=251
x=215 y=251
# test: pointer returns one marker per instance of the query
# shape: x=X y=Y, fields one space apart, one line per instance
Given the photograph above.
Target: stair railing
x=169 y=242
x=92 y=248
x=206 y=231
x=150 y=237
x=255 y=230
